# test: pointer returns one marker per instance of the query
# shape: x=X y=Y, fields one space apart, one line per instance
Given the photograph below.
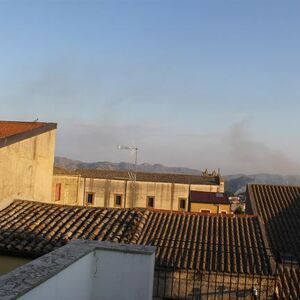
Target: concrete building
x=26 y=161
x=106 y=188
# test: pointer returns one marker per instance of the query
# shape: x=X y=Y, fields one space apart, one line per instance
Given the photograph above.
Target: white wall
x=124 y=276
x=74 y=282
x=101 y=274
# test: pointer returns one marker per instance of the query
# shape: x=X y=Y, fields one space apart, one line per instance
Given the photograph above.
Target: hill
x=70 y=164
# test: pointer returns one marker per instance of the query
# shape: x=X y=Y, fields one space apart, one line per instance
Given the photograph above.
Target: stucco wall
x=121 y=275
x=26 y=169
x=74 y=282
x=214 y=208
x=208 y=188
x=167 y=195
x=84 y=270
x=70 y=189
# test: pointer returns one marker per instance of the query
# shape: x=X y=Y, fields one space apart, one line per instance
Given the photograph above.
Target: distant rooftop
x=208 y=197
x=143 y=176
x=14 y=131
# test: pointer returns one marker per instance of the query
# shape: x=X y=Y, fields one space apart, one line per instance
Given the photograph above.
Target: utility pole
x=132 y=173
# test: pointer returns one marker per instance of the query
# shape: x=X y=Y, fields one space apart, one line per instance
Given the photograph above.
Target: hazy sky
x=201 y=84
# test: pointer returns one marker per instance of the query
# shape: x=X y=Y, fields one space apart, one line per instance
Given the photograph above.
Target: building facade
x=102 y=188
x=26 y=161
x=207 y=202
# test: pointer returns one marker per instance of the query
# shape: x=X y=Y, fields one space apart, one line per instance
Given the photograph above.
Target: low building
x=26 y=160
x=106 y=188
x=207 y=202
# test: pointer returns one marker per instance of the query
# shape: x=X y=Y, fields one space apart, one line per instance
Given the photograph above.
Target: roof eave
x=4 y=142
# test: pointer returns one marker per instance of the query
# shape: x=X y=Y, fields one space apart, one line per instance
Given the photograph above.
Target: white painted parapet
x=84 y=270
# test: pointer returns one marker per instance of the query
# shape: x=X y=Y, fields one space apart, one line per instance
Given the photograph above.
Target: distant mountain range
x=234 y=184
x=70 y=164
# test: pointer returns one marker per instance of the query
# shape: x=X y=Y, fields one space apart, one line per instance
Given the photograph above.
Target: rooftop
x=183 y=240
x=142 y=176
x=279 y=207
x=13 y=131
x=208 y=197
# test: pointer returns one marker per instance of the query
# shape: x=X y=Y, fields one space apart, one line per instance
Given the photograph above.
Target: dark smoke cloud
x=61 y=92
x=249 y=155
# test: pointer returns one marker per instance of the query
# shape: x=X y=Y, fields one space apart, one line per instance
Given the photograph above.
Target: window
x=223 y=212
x=205 y=211
x=90 y=198
x=182 y=204
x=118 y=200
x=57 y=191
x=150 y=202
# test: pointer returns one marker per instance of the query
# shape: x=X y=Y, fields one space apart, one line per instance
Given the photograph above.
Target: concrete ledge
x=25 y=278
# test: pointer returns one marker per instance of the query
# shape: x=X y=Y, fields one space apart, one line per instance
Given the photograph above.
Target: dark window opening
x=182 y=204
x=90 y=198
x=118 y=200
x=150 y=202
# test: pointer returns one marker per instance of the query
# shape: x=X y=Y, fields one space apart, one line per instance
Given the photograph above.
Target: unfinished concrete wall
x=26 y=169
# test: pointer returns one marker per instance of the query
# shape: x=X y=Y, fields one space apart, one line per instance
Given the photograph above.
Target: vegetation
x=239 y=210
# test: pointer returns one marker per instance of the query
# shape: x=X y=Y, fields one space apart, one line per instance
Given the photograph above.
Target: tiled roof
x=207 y=197
x=12 y=131
x=184 y=240
x=289 y=287
x=142 y=176
x=279 y=207
x=206 y=242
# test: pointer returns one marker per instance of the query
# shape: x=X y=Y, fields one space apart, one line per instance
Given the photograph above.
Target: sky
x=200 y=84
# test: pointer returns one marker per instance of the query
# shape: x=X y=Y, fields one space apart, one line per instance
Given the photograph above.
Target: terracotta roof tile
x=279 y=207
x=183 y=240
x=289 y=287
x=8 y=128
x=13 y=131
